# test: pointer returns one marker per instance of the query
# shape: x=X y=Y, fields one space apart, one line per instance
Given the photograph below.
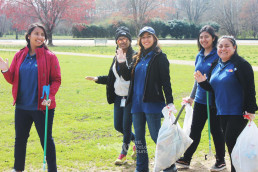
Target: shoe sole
x=120 y=163
x=182 y=165
x=218 y=169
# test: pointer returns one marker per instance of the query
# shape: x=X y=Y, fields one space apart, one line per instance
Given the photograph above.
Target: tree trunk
x=50 y=40
x=16 y=34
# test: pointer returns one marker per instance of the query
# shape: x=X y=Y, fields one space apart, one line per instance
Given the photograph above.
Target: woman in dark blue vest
x=207 y=41
x=232 y=81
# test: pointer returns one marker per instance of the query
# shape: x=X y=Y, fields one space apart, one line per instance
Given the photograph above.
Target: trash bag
x=188 y=119
x=245 y=152
x=171 y=143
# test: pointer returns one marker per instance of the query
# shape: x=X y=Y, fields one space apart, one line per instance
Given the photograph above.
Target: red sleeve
x=55 y=77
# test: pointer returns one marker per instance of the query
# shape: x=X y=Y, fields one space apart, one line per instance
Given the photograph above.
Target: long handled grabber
x=46 y=90
x=209 y=126
x=179 y=113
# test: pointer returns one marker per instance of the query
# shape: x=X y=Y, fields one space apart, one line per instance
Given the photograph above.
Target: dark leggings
x=199 y=120
x=23 y=123
x=232 y=126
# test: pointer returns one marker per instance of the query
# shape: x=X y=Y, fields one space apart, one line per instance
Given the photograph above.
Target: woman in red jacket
x=33 y=67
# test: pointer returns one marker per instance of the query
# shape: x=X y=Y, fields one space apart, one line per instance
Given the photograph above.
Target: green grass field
x=83 y=125
x=174 y=52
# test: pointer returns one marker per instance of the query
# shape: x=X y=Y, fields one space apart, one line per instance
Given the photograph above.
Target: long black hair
x=211 y=31
x=31 y=28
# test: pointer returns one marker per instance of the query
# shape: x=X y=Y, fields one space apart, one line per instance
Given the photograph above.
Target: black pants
x=199 y=120
x=232 y=126
x=23 y=123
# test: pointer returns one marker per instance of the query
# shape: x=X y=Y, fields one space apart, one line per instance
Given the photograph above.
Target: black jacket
x=157 y=80
x=109 y=79
x=245 y=75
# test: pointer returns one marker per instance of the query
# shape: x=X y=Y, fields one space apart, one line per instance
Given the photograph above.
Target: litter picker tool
x=46 y=90
x=181 y=110
x=209 y=126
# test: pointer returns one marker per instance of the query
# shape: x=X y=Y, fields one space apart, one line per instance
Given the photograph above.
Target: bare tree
x=104 y=9
x=249 y=16
x=140 y=11
x=227 y=15
x=194 y=9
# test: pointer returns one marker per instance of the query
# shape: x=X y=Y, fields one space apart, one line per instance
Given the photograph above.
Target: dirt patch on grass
x=197 y=165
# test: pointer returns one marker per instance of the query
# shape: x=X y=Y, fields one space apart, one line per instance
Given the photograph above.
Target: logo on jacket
x=230 y=70
x=209 y=64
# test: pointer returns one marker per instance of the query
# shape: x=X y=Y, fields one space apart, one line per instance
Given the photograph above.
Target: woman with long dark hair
x=207 y=41
x=32 y=68
x=232 y=81
x=149 y=79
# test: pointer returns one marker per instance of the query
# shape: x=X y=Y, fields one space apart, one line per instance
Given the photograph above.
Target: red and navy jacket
x=48 y=73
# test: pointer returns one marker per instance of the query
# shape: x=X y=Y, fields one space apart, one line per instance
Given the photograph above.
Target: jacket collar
x=38 y=50
x=213 y=51
x=157 y=50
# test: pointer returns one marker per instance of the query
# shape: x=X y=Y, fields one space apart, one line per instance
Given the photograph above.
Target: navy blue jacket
x=245 y=75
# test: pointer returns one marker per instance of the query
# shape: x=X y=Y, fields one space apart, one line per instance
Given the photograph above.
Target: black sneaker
x=218 y=166
x=183 y=162
x=172 y=168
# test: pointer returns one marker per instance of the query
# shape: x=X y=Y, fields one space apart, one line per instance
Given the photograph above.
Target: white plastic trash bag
x=188 y=119
x=171 y=143
x=245 y=152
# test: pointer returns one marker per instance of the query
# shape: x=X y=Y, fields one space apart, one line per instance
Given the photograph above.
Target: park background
x=83 y=125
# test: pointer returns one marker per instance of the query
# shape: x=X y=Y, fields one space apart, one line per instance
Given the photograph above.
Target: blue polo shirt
x=203 y=64
x=138 y=89
x=227 y=88
x=27 y=98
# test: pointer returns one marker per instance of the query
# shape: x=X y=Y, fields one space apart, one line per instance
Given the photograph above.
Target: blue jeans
x=139 y=123
x=23 y=123
x=123 y=123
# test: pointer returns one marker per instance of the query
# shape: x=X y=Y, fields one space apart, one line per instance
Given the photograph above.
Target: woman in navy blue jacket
x=232 y=81
x=207 y=41
x=150 y=78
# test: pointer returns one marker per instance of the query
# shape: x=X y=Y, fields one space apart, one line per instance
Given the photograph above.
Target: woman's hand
x=199 y=77
x=121 y=57
x=46 y=103
x=172 y=108
x=4 y=65
x=91 y=78
x=187 y=100
x=249 y=116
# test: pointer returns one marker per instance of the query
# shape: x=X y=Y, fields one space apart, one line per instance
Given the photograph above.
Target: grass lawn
x=83 y=126
x=174 y=52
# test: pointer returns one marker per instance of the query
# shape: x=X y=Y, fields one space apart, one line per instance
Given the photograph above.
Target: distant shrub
x=179 y=29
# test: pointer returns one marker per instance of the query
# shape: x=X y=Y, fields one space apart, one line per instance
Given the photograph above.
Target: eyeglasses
x=119 y=40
